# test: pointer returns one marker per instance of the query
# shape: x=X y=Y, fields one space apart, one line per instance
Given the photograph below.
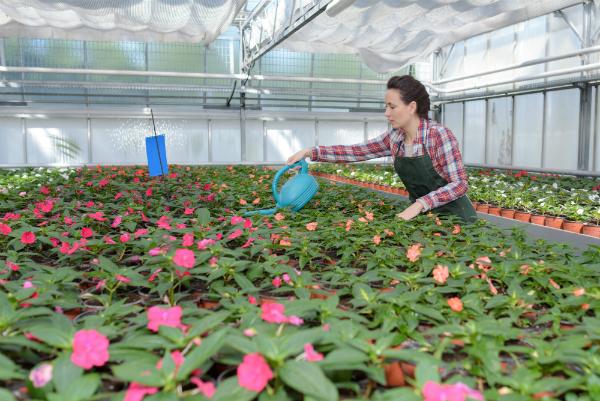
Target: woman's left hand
x=410 y=212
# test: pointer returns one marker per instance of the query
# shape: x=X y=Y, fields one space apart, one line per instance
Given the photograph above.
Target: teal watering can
x=295 y=193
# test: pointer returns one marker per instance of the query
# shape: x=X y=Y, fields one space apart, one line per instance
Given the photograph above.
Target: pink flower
x=202 y=244
x=249 y=242
x=164 y=316
x=376 y=239
x=326 y=327
x=188 y=211
x=414 y=252
x=273 y=313
x=125 y=237
x=116 y=222
x=28 y=237
x=254 y=373
x=90 y=348
x=235 y=234
x=156 y=251
x=41 y=375
x=184 y=258
x=252 y=300
x=236 y=220
x=311 y=355
x=188 y=239
x=576 y=292
x=177 y=357
x=154 y=275
x=311 y=226
x=139 y=232
x=12 y=266
x=28 y=284
x=86 y=232
x=433 y=391
x=5 y=229
x=277 y=282
x=286 y=278
x=440 y=274
x=213 y=261
x=206 y=388
x=455 y=304
x=123 y=279
x=250 y=332
x=163 y=223
x=99 y=216
x=137 y=392
x=295 y=320
x=279 y=217
x=247 y=223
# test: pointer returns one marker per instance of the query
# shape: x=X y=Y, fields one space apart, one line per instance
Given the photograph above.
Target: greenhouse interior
x=281 y=200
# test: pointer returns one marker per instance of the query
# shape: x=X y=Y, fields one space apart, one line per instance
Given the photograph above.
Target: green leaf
x=294 y=344
x=140 y=372
x=162 y=397
x=343 y=358
x=209 y=347
x=8 y=370
x=171 y=333
x=64 y=372
x=207 y=323
x=203 y=216
x=55 y=336
x=5 y=395
x=404 y=394
x=308 y=378
x=593 y=383
x=280 y=395
x=244 y=283
x=426 y=371
x=427 y=311
x=230 y=390
x=83 y=388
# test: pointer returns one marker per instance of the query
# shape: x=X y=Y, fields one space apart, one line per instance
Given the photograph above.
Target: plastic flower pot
x=538 y=219
x=591 y=230
x=523 y=216
x=394 y=375
x=475 y=204
x=573 y=226
x=554 y=222
x=494 y=210
x=483 y=208
x=507 y=213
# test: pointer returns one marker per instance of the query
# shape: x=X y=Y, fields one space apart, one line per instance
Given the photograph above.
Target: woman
x=426 y=154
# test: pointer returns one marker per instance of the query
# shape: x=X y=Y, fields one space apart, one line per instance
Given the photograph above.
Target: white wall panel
x=499 y=123
x=500 y=54
x=452 y=117
x=562 y=129
x=11 y=141
x=186 y=141
x=374 y=129
x=474 y=136
x=341 y=132
x=254 y=140
x=226 y=142
x=562 y=39
x=284 y=138
x=531 y=44
x=529 y=115
x=57 y=140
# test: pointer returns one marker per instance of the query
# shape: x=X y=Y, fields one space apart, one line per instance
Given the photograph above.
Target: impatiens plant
x=118 y=286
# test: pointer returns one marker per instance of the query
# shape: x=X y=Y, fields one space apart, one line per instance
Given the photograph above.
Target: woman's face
x=398 y=113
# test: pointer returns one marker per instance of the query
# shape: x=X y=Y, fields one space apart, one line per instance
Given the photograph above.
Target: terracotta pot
x=206 y=304
x=538 y=219
x=483 y=208
x=554 y=222
x=394 y=376
x=591 y=230
x=494 y=210
x=508 y=213
x=573 y=226
x=475 y=204
x=408 y=369
x=543 y=394
x=523 y=216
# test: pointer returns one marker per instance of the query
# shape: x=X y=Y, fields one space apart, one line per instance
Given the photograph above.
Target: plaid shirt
x=441 y=146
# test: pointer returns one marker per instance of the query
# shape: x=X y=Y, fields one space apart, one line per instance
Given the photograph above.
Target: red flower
x=455 y=304
x=28 y=237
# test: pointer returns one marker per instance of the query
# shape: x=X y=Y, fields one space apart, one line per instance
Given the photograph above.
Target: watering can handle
x=275 y=184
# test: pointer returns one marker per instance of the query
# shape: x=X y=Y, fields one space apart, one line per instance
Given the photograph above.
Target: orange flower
x=285 y=242
x=349 y=224
x=455 y=304
x=369 y=216
x=376 y=239
x=256 y=201
x=456 y=229
x=525 y=269
x=585 y=306
x=579 y=292
x=243 y=202
x=440 y=273
x=388 y=232
x=414 y=252
x=362 y=220
x=553 y=284
x=311 y=226
x=279 y=217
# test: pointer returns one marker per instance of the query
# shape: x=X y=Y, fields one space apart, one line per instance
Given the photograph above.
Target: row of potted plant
x=118 y=286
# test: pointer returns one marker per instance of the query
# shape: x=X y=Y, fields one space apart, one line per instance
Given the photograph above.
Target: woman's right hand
x=296 y=157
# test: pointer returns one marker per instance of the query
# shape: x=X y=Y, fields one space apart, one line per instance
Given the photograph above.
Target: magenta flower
x=236 y=220
x=188 y=239
x=184 y=258
x=254 y=372
x=28 y=237
x=90 y=348
x=273 y=313
x=311 y=355
x=433 y=391
x=235 y=234
x=295 y=320
x=277 y=282
x=206 y=388
x=116 y=222
x=137 y=392
x=5 y=229
x=164 y=316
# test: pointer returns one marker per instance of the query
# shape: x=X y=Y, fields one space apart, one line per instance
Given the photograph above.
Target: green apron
x=420 y=178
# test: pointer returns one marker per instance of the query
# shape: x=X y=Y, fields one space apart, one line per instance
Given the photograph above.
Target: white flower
x=580 y=211
x=555 y=185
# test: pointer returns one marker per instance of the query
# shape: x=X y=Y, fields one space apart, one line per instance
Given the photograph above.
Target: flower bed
x=114 y=285
x=573 y=199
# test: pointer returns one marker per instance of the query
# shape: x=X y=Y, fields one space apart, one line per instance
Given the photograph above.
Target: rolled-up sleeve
x=374 y=148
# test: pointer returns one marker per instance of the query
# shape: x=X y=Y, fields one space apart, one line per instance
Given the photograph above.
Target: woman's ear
x=413 y=107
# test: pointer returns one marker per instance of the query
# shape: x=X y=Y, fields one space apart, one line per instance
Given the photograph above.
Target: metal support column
x=585 y=104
